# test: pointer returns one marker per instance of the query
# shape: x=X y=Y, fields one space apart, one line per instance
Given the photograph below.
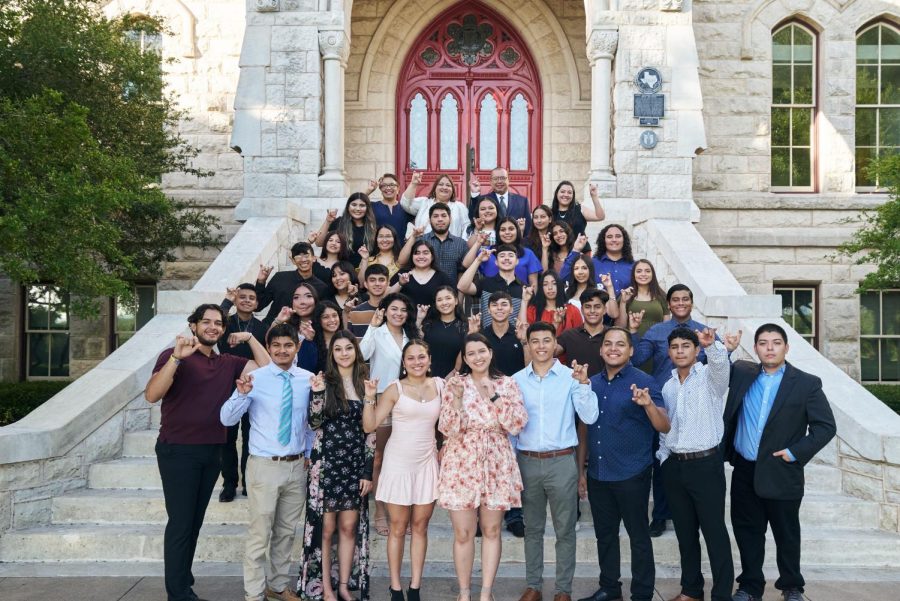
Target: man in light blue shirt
x=276 y=397
x=552 y=393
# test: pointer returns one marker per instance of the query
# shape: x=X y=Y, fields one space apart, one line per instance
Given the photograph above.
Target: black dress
x=359 y=240
x=423 y=294
x=446 y=342
x=576 y=220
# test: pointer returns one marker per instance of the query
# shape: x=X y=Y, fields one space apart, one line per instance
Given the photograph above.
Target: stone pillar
x=335 y=48
x=601 y=48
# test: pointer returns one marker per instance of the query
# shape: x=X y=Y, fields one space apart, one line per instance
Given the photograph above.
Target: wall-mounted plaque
x=649 y=108
x=649 y=139
x=648 y=80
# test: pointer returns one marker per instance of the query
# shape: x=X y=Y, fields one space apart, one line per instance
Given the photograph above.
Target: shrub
x=889 y=394
x=18 y=399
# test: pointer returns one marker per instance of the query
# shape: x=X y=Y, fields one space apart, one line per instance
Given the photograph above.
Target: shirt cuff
x=791 y=455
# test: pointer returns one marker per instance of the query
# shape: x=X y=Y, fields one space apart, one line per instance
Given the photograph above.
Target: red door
x=470 y=81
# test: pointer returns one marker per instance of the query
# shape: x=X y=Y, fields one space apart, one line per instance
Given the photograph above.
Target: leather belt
x=694 y=454
x=547 y=454
x=286 y=458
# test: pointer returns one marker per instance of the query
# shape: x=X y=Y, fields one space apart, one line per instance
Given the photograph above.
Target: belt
x=694 y=454
x=547 y=454
x=286 y=458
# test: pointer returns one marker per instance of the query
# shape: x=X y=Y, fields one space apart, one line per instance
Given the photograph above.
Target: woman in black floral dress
x=340 y=478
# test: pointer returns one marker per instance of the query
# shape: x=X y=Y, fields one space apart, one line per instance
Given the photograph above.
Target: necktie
x=503 y=202
x=287 y=410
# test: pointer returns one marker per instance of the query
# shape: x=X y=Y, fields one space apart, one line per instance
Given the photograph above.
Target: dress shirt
x=551 y=402
x=459 y=214
x=620 y=442
x=619 y=271
x=695 y=406
x=654 y=344
x=448 y=254
x=379 y=348
x=264 y=406
x=755 y=411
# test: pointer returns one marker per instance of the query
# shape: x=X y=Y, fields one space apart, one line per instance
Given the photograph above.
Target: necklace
x=242 y=328
x=418 y=390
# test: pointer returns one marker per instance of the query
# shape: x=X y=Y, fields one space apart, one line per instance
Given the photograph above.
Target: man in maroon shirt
x=193 y=381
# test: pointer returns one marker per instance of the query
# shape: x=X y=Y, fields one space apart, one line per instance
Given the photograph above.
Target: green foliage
x=86 y=132
x=878 y=241
x=18 y=399
x=889 y=394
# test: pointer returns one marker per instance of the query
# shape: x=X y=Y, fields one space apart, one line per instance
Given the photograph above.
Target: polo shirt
x=528 y=264
x=509 y=356
x=487 y=286
x=580 y=346
x=393 y=216
x=201 y=385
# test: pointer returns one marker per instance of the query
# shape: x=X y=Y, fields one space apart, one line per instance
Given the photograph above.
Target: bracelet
x=275 y=322
x=175 y=359
x=368 y=401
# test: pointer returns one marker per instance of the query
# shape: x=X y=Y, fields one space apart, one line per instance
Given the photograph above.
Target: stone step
x=140 y=444
x=104 y=506
x=225 y=543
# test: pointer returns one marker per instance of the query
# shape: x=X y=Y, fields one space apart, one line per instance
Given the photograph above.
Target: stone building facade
x=293 y=104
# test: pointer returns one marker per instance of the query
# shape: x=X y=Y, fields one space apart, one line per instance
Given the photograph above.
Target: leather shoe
x=601 y=595
x=744 y=596
x=562 y=597
x=286 y=595
x=517 y=528
x=683 y=597
x=531 y=594
x=657 y=527
x=792 y=594
x=227 y=495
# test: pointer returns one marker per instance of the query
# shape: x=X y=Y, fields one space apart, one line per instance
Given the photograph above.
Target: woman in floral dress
x=340 y=478
x=479 y=478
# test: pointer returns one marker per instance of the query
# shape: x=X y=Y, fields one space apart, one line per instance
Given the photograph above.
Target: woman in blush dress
x=479 y=477
x=409 y=474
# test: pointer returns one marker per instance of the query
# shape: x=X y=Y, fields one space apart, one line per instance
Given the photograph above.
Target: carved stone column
x=335 y=48
x=601 y=48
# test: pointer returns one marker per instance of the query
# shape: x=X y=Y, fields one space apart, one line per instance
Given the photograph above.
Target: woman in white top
x=444 y=191
x=393 y=325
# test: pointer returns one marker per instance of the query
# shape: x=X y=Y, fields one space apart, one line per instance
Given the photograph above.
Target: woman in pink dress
x=479 y=477
x=408 y=484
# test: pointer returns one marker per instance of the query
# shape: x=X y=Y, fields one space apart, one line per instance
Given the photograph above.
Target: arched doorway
x=469 y=82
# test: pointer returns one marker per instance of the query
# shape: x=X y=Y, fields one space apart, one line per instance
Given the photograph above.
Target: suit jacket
x=800 y=421
x=519 y=208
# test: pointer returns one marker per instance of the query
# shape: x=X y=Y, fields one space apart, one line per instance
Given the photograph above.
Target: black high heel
x=412 y=594
x=398 y=595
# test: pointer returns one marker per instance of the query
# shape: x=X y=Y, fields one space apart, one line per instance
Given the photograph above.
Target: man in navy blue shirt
x=620 y=456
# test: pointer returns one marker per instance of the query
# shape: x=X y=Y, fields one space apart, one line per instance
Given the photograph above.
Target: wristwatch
x=495 y=397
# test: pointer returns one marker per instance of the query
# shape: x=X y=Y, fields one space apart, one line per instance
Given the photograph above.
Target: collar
x=604 y=257
x=694 y=369
x=621 y=373
x=779 y=372
x=293 y=370
x=588 y=334
x=556 y=368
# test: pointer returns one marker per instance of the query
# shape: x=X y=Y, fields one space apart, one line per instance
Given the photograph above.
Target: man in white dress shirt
x=277 y=398
x=693 y=472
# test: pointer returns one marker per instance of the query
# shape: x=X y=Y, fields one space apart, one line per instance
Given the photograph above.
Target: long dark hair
x=336 y=401
x=656 y=291
x=571 y=284
x=433 y=191
x=345 y=267
x=395 y=249
x=626 y=242
x=534 y=236
x=493 y=371
x=570 y=237
x=345 y=222
x=319 y=339
x=295 y=318
x=434 y=316
x=415 y=247
x=343 y=253
x=491 y=200
x=409 y=326
x=517 y=241
x=539 y=300
x=555 y=204
x=413 y=342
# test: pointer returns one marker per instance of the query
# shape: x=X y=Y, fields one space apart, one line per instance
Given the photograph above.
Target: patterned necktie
x=287 y=410
x=503 y=202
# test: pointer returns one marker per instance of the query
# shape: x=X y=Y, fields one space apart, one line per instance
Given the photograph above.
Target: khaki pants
x=277 y=493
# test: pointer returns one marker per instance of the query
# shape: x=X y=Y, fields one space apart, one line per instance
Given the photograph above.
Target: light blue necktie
x=287 y=410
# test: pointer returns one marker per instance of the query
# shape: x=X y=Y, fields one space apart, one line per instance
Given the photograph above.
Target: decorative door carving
x=469 y=81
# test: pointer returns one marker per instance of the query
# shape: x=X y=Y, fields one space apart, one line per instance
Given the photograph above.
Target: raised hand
x=606 y=280
x=521 y=222
x=485 y=254
x=377 y=318
x=416 y=178
x=185 y=346
x=485 y=238
x=626 y=294
x=363 y=252
x=641 y=396
x=403 y=278
x=489 y=389
x=418 y=232
x=474 y=186
x=373 y=185
x=479 y=223
x=527 y=294
x=559 y=316
x=732 y=341
x=307 y=330
x=579 y=372
x=580 y=243
x=371 y=388
x=331 y=215
x=545 y=240
x=634 y=320
x=595 y=190
x=351 y=304
x=244 y=384
x=284 y=315
x=522 y=330
x=352 y=289
x=263 y=273
x=231 y=294
x=706 y=337
x=474 y=324
x=317 y=382
x=421 y=312
x=313 y=236
x=236 y=338
x=456 y=387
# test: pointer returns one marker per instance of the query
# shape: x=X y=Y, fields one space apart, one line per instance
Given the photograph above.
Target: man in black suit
x=511 y=205
x=776 y=419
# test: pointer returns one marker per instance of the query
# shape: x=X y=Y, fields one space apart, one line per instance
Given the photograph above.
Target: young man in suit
x=511 y=205
x=776 y=419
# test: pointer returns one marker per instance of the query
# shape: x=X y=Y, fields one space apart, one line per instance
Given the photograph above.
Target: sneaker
x=286 y=595
x=792 y=594
x=744 y=596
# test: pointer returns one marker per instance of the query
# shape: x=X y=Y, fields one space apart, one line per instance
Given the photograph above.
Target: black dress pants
x=230 y=454
x=749 y=516
x=696 y=493
x=189 y=473
x=611 y=504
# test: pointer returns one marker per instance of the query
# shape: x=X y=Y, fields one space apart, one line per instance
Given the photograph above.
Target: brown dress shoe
x=286 y=595
x=683 y=597
x=531 y=594
x=562 y=597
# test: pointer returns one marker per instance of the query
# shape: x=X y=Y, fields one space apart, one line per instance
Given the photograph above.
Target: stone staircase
x=118 y=519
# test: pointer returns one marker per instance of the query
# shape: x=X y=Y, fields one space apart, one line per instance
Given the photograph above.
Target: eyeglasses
x=499 y=178
x=388 y=185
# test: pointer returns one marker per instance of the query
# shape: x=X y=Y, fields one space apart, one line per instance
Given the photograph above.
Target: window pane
x=867 y=47
x=869 y=314
x=781 y=167
x=449 y=133
x=59 y=317
x=787 y=305
x=889 y=127
x=781 y=126
x=868 y=359
x=803 y=84
x=803 y=50
x=800 y=130
x=863 y=159
x=418 y=133
x=123 y=337
x=865 y=127
x=487 y=133
x=125 y=319
x=146 y=296
x=890 y=84
x=781 y=46
x=518 y=133
x=38 y=316
x=59 y=355
x=890 y=311
x=803 y=303
x=890 y=362
x=867 y=85
x=781 y=84
x=39 y=355
x=890 y=45
x=801 y=170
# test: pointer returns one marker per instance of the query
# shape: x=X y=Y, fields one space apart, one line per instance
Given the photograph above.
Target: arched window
x=144 y=32
x=793 y=107
x=877 y=98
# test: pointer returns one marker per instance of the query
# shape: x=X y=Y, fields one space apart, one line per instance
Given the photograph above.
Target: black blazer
x=800 y=421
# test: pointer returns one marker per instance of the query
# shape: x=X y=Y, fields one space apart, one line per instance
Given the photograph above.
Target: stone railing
x=867 y=447
x=50 y=450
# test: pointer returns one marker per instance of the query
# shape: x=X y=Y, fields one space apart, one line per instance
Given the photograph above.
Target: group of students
x=574 y=376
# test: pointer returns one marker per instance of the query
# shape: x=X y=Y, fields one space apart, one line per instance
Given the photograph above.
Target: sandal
x=343 y=598
x=381 y=526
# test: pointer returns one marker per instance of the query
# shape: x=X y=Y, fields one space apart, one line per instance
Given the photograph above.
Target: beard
x=206 y=341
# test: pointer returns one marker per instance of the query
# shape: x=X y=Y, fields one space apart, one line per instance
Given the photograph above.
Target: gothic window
x=418 y=133
x=793 y=107
x=518 y=133
x=449 y=132
x=877 y=98
x=145 y=33
x=487 y=133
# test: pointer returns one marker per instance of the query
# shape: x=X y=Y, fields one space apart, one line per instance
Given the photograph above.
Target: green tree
x=878 y=240
x=87 y=129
